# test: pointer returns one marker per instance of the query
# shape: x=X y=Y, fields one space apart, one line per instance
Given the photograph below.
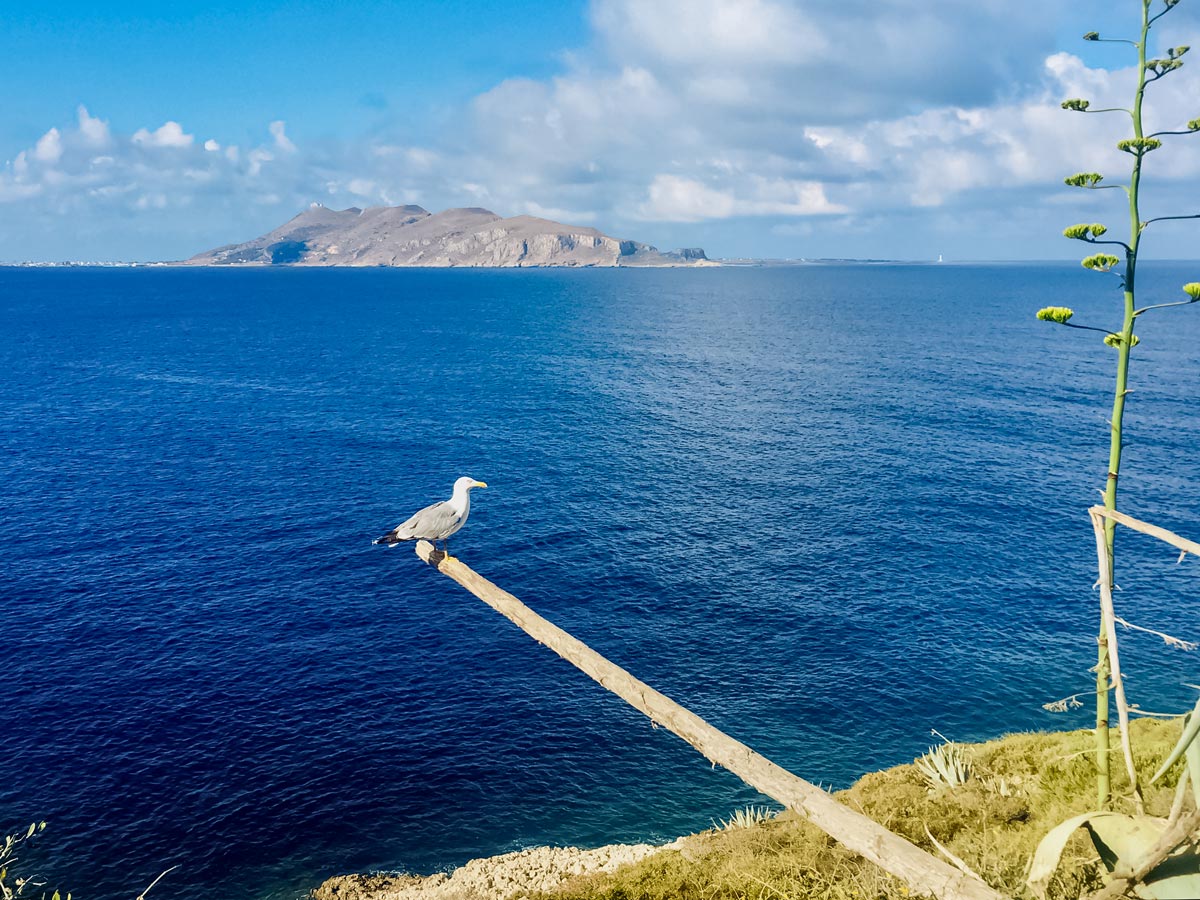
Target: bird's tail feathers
x=391 y=539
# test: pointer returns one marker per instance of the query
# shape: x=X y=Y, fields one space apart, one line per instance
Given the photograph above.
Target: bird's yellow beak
x=481 y=484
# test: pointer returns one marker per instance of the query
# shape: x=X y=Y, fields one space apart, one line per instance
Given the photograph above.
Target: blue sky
x=791 y=128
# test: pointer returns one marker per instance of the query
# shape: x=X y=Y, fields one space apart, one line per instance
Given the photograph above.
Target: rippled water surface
x=828 y=508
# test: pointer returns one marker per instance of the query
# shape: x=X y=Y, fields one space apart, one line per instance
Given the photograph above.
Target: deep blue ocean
x=828 y=508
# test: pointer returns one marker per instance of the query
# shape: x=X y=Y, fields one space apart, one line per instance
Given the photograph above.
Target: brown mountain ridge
x=412 y=236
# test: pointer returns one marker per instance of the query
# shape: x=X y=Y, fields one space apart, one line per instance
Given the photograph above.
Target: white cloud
x=63 y=173
x=677 y=199
x=281 y=139
x=712 y=33
x=931 y=158
x=557 y=214
x=708 y=112
x=760 y=59
x=168 y=135
x=362 y=187
x=49 y=148
x=785 y=197
x=151 y=201
x=257 y=158
x=93 y=132
x=17 y=191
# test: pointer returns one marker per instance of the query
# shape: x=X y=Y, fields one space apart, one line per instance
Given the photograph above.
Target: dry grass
x=1020 y=787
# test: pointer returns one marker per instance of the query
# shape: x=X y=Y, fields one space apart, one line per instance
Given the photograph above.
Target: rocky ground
x=506 y=877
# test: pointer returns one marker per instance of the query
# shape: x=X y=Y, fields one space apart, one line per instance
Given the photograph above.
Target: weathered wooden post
x=922 y=872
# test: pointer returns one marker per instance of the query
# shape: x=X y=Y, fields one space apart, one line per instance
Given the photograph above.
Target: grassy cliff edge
x=1017 y=789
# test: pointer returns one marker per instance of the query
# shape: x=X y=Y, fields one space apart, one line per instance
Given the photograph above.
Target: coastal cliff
x=1015 y=789
x=412 y=236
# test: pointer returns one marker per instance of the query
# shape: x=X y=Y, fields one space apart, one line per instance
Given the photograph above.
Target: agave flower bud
x=1084 y=179
x=1076 y=104
x=1092 y=36
x=1161 y=67
x=1059 y=314
x=1100 y=262
x=1077 y=232
x=1098 y=229
x=1194 y=125
x=1139 y=146
x=1192 y=289
x=1114 y=340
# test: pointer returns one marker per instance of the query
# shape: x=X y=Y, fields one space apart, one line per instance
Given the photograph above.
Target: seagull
x=437 y=521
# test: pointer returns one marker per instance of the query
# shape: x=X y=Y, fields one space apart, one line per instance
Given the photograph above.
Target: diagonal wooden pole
x=922 y=872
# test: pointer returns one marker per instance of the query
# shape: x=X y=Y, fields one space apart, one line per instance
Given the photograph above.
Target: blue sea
x=828 y=508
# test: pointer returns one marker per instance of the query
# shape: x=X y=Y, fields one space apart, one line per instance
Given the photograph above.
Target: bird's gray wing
x=432 y=523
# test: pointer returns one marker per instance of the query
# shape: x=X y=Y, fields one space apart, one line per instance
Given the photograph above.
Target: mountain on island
x=412 y=236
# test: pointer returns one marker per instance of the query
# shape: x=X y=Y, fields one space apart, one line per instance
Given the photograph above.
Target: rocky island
x=412 y=236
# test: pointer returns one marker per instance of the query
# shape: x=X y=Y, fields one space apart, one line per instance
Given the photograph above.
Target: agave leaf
x=1175 y=878
x=1190 y=731
x=1193 y=766
x=1122 y=842
x=1125 y=840
x=1049 y=852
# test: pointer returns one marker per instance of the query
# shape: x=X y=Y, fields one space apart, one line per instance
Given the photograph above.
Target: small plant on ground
x=944 y=766
x=11 y=884
x=746 y=818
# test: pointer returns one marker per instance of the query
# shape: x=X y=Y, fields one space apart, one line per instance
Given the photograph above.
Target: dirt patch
x=505 y=877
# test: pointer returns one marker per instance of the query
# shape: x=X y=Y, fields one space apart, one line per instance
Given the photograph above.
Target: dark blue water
x=828 y=508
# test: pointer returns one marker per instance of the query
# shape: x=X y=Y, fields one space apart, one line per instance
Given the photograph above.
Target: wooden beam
x=1108 y=616
x=921 y=871
x=1146 y=528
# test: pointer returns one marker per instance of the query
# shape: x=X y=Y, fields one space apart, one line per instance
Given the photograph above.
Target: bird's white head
x=465 y=484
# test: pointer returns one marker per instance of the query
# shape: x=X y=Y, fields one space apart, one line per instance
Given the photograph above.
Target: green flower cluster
x=1114 y=340
x=1100 y=262
x=1161 y=67
x=1076 y=104
x=1139 y=146
x=1192 y=289
x=1085 y=232
x=1059 y=314
x=1084 y=179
